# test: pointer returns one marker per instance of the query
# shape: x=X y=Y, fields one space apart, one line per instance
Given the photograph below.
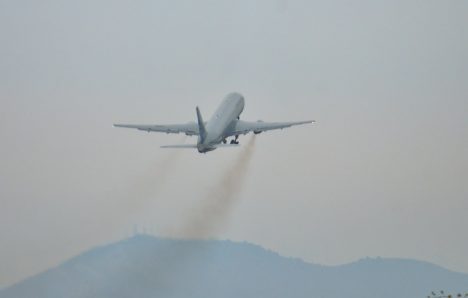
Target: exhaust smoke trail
x=215 y=207
x=145 y=186
x=173 y=260
x=149 y=183
x=206 y=219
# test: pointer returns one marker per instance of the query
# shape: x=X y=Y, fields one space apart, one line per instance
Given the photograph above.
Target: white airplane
x=223 y=124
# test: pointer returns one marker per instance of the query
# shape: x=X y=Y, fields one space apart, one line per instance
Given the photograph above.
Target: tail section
x=201 y=126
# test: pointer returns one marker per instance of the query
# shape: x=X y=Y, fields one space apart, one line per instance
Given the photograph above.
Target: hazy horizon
x=383 y=172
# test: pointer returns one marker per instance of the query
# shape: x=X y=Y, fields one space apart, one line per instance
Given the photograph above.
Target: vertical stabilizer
x=201 y=126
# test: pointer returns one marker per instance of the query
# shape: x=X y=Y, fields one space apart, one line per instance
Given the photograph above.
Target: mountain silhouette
x=146 y=266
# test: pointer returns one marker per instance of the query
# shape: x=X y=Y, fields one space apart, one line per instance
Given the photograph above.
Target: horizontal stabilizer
x=191 y=146
x=194 y=146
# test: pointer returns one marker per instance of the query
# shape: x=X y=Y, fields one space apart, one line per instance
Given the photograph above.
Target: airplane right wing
x=189 y=129
x=244 y=127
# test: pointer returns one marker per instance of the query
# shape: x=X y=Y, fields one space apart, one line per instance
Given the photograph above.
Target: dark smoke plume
x=171 y=259
x=145 y=187
x=215 y=207
x=205 y=220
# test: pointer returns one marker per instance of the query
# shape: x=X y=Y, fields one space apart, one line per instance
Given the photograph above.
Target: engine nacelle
x=258 y=131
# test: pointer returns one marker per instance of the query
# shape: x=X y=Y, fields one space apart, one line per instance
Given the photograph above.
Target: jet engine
x=258 y=131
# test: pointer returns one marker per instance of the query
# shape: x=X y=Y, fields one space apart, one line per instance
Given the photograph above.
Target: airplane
x=223 y=124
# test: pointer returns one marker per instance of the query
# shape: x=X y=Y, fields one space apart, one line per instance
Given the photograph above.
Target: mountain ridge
x=146 y=266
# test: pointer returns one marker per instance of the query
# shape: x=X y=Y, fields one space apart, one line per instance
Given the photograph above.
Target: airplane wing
x=244 y=127
x=189 y=129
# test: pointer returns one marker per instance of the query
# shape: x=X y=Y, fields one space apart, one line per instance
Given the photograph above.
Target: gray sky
x=383 y=172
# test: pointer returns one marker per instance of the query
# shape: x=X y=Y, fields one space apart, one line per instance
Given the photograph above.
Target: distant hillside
x=145 y=266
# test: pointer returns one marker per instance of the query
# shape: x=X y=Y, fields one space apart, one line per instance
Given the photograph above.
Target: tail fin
x=201 y=125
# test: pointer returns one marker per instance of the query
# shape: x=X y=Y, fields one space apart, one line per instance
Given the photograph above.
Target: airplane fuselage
x=228 y=111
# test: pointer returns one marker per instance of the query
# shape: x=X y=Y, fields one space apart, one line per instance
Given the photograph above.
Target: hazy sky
x=384 y=172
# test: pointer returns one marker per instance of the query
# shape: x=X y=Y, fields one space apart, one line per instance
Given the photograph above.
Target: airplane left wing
x=243 y=127
x=189 y=129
